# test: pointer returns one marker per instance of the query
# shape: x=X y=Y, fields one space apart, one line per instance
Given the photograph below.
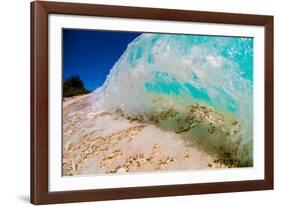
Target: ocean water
x=201 y=86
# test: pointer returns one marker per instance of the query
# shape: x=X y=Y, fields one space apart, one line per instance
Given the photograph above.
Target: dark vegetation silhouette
x=73 y=86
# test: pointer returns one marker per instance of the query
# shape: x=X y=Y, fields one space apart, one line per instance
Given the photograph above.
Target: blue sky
x=92 y=53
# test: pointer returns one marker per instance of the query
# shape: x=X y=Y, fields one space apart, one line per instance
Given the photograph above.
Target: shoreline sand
x=102 y=143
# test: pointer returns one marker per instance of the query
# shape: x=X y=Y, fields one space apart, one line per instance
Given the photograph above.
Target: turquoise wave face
x=238 y=52
x=214 y=70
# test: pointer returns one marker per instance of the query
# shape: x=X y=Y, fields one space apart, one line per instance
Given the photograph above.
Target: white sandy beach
x=102 y=142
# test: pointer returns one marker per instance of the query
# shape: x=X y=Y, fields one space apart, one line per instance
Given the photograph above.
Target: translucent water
x=159 y=72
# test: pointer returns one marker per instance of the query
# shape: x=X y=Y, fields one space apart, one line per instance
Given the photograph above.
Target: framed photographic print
x=131 y=102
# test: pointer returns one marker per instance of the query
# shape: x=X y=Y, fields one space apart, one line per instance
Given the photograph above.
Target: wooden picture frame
x=40 y=193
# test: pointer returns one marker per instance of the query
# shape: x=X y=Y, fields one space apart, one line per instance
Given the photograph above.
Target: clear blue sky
x=92 y=53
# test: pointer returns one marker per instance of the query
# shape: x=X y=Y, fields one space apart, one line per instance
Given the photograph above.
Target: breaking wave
x=201 y=86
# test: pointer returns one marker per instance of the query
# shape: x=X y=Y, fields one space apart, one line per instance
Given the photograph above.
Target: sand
x=101 y=143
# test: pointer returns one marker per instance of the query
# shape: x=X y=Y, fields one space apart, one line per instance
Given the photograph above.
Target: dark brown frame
x=39 y=102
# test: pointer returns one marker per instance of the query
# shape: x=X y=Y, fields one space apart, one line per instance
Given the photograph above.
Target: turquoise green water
x=237 y=51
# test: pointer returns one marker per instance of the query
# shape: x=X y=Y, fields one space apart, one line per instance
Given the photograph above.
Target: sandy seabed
x=103 y=143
